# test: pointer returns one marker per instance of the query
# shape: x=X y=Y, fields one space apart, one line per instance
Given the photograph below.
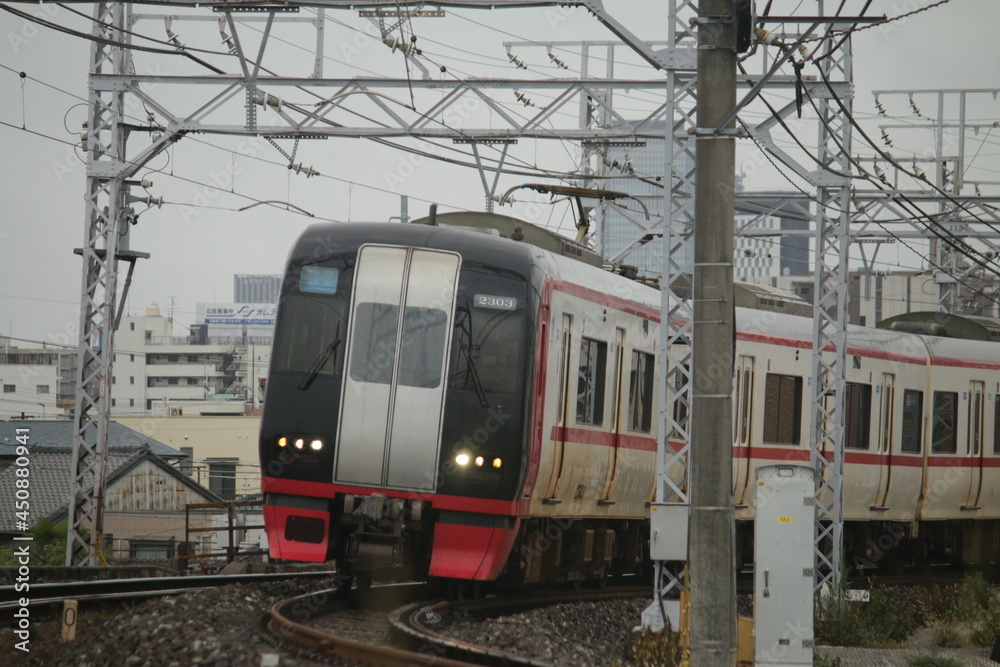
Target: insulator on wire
x=299 y=169
x=523 y=99
x=886 y=139
x=517 y=61
x=881 y=109
x=554 y=58
x=880 y=173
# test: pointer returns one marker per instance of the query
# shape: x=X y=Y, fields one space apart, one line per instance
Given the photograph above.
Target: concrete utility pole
x=711 y=566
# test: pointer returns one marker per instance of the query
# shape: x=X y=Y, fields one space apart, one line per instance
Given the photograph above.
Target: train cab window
x=944 y=423
x=783 y=409
x=313 y=317
x=857 y=415
x=591 y=381
x=486 y=347
x=423 y=338
x=640 y=395
x=913 y=416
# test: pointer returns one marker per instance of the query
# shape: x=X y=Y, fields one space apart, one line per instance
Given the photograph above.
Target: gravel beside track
x=583 y=634
x=218 y=627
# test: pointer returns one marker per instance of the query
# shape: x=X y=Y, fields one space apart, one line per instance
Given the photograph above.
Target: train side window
x=783 y=409
x=591 y=381
x=857 y=414
x=640 y=396
x=944 y=422
x=996 y=424
x=913 y=415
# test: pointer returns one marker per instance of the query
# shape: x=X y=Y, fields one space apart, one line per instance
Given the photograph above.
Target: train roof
x=513 y=255
x=335 y=238
x=946 y=325
x=504 y=226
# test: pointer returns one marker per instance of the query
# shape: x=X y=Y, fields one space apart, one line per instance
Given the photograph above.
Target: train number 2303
x=496 y=302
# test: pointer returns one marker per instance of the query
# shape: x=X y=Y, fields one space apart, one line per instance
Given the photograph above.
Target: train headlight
x=316 y=445
x=300 y=443
x=462 y=459
x=480 y=461
x=498 y=463
x=282 y=441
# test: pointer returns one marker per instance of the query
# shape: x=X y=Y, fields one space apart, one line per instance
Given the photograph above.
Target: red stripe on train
x=295 y=487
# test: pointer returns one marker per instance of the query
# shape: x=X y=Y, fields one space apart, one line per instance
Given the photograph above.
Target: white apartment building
x=157 y=372
x=31 y=383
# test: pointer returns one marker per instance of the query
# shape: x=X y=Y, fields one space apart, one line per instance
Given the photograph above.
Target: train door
x=974 y=443
x=883 y=448
x=742 y=422
x=616 y=418
x=562 y=402
x=393 y=397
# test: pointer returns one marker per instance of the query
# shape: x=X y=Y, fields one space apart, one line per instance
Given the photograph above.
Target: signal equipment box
x=783 y=571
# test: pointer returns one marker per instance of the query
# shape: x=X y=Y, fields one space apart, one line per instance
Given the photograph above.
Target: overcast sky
x=199 y=239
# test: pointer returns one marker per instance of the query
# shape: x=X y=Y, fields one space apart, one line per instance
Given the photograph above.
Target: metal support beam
x=673 y=443
x=105 y=205
x=106 y=222
x=828 y=384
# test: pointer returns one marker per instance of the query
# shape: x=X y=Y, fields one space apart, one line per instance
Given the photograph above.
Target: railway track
x=326 y=622
x=109 y=590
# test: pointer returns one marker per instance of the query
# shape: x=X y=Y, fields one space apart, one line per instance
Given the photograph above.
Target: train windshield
x=313 y=319
x=488 y=347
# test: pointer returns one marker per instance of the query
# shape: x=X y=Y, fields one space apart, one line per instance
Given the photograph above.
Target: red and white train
x=453 y=403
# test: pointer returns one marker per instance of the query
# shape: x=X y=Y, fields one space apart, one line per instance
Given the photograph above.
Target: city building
x=256 y=288
x=156 y=372
x=762 y=246
x=237 y=323
x=873 y=297
x=37 y=382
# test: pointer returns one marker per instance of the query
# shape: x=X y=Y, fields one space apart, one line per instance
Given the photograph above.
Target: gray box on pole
x=783 y=568
x=668 y=531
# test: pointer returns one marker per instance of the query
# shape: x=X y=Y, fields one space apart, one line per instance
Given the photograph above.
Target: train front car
x=395 y=418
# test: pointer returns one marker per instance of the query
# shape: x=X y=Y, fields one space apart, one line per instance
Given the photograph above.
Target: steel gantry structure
x=254 y=102
x=110 y=165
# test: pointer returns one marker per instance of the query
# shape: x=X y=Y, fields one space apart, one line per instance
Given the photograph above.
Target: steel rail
x=115 y=589
x=418 y=622
x=311 y=605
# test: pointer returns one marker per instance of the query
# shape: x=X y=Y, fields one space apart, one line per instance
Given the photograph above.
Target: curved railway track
x=108 y=590
x=365 y=636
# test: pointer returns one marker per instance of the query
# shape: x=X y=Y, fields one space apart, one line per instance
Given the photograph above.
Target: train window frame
x=592 y=367
x=944 y=422
x=912 y=418
x=857 y=416
x=778 y=387
x=641 y=384
x=419 y=359
x=976 y=418
x=996 y=424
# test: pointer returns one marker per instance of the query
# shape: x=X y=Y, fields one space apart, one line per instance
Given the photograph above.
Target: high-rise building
x=618 y=231
x=256 y=288
x=754 y=257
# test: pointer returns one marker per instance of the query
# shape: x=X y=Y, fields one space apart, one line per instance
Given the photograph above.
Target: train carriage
x=456 y=403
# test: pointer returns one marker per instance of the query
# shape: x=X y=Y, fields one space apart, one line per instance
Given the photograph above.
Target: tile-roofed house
x=137 y=481
x=59 y=433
